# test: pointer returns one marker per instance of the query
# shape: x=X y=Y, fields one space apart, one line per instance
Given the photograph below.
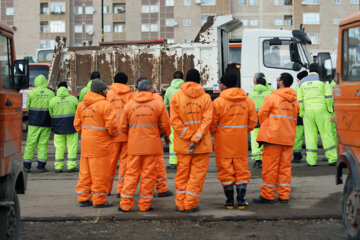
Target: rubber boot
x=229 y=193
x=241 y=191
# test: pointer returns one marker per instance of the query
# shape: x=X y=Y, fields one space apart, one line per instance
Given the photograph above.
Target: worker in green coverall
x=84 y=91
x=62 y=109
x=258 y=94
x=174 y=87
x=39 y=130
x=299 y=125
x=316 y=104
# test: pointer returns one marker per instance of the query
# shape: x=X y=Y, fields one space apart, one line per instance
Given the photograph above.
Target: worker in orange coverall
x=190 y=117
x=144 y=120
x=234 y=116
x=118 y=95
x=95 y=120
x=278 y=117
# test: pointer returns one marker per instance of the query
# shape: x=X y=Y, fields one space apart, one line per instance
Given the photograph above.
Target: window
x=44 y=44
x=336 y=21
x=169 y=2
x=57 y=7
x=278 y=22
x=287 y=20
x=283 y=2
x=89 y=29
x=10 y=11
x=187 y=3
x=57 y=26
x=244 y=22
x=78 y=28
x=335 y=41
x=5 y=61
x=253 y=2
x=277 y=56
x=208 y=2
x=187 y=22
x=78 y=10
x=52 y=45
x=145 y=27
x=145 y=8
x=311 y=18
x=170 y=22
x=44 y=27
x=44 y=8
x=154 y=8
x=187 y=40
x=351 y=54
x=336 y=1
x=170 y=40
x=119 y=27
x=107 y=28
x=89 y=10
x=204 y=17
x=253 y=22
x=154 y=27
x=243 y=2
x=354 y=1
x=310 y=2
x=106 y=9
x=314 y=37
x=119 y=8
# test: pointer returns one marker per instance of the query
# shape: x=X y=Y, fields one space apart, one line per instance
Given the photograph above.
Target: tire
x=351 y=210
x=10 y=220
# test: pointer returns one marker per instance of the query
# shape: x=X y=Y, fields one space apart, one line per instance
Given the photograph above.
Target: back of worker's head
x=193 y=75
x=302 y=74
x=97 y=86
x=178 y=75
x=144 y=85
x=314 y=67
x=259 y=75
x=121 y=77
x=287 y=79
x=138 y=81
x=229 y=80
x=95 y=75
x=62 y=84
x=261 y=81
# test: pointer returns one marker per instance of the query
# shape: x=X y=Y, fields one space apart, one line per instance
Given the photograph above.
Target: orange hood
x=91 y=98
x=120 y=88
x=143 y=96
x=192 y=89
x=288 y=94
x=233 y=94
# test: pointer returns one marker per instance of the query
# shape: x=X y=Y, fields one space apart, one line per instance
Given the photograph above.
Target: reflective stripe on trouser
x=71 y=141
x=299 y=138
x=232 y=170
x=172 y=157
x=93 y=175
x=37 y=137
x=314 y=121
x=190 y=178
x=161 y=179
x=120 y=156
x=145 y=168
x=256 y=150
x=276 y=171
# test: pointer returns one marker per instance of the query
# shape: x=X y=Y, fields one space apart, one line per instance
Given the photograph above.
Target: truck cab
x=14 y=76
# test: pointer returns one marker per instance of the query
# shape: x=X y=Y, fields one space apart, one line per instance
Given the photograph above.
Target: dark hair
x=314 y=67
x=261 y=81
x=144 y=85
x=259 y=75
x=62 y=84
x=302 y=74
x=193 y=75
x=287 y=79
x=121 y=77
x=139 y=80
x=229 y=80
x=95 y=75
x=178 y=75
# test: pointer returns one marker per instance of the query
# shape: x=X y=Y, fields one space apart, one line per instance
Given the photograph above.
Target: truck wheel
x=351 y=210
x=10 y=219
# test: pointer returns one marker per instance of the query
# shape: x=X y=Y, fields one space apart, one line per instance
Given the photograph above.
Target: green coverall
x=84 y=91
x=258 y=95
x=299 y=138
x=316 y=104
x=174 y=87
x=333 y=124
x=39 y=130
x=62 y=109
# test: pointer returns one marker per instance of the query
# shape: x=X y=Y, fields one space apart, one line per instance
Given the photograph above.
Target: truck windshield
x=5 y=62
x=36 y=70
x=277 y=56
x=351 y=54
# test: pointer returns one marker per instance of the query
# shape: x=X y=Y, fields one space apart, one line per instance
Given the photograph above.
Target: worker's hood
x=120 y=88
x=40 y=81
x=89 y=84
x=286 y=93
x=62 y=92
x=143 y=96
x=176 y=83
x=233 y=94
x=260 y=88
x=192 y=89
x=91 y=98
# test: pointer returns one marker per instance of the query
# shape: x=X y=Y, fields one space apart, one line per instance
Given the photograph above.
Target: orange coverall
x=144 y=120
x=277 y=116
x=234 y=116
x=95 y=120
x=191 y=115
x=118 y=95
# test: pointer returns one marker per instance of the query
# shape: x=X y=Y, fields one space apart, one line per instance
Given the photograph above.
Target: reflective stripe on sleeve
x=268 y=185
x=150 y=197
x=192 y=122
x=283 y=184
x=144 y=125
x=183 y=132
x=93 y=127
x=64 y=116
x=283 y=116
x=199 y=135
x=233 y=126
x=330 y=148
x=193 y=194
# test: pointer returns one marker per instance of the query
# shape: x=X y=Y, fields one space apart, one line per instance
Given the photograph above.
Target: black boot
x=229 y=193
x=241 y=191
x=297 y=157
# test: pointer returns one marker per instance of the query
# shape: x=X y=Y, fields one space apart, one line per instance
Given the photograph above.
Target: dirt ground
x=295 y=229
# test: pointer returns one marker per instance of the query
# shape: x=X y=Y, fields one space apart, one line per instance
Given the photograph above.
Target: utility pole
x=102 y=20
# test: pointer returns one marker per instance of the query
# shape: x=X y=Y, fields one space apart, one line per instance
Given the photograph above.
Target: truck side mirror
x=296 y=66
x=325 y=66
x=294 y=53
x=21 y=74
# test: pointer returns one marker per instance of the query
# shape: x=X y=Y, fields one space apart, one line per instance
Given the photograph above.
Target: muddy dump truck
x=155 y=60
